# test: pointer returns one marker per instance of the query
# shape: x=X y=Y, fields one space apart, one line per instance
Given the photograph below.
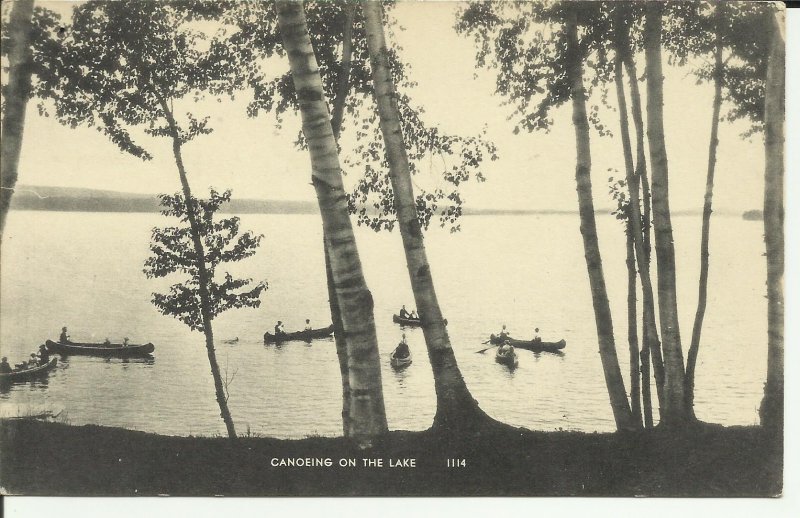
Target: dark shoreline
x=42 y=458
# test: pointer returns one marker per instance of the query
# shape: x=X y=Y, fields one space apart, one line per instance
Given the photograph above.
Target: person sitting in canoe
x=414 y=314
x=5 y=368
x=503 y=333
x=402 y=350
x=308 y=326
x=64 y=338
x=536 y=338
x=44 y=355
x=404 y=313
x=125 y=341
x=279 y=329
x=33 y=361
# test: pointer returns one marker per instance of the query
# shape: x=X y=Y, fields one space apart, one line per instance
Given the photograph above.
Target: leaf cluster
x=173 y=251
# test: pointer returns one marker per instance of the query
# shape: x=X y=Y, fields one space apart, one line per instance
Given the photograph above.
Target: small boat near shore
x=27 y=374
x=409 y=322
x=107 y=350
x=399 y=363
x=305 y=336
x=531 y=345
x=507 y=358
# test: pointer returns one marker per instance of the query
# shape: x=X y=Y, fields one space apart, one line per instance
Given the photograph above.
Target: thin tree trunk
x=771 y=410
x=16 y=100
x=202 y=271
x=367 y=411
x=591 y=246
x=343 y=86
x=651 y=347
x=674 y=408
x=694 y=347
x=633 y=338
x=342 y=90
x=455 y=406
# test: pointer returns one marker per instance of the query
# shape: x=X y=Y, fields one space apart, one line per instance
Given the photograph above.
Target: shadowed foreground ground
x=41 y=458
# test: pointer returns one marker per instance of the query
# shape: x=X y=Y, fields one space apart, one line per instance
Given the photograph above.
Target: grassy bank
x=41 y=458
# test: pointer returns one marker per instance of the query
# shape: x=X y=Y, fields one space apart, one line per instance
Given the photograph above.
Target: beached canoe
x=508 y=358
x=531 y=345
x=409 y=322
x=399 y=363
x=109 y=350
x=26 y=374
x=305 y=336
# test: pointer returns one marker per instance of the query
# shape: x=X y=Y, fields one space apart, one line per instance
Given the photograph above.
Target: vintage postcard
x=284 y=248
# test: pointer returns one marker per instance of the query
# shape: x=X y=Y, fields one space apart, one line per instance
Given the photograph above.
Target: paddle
x=484 y=350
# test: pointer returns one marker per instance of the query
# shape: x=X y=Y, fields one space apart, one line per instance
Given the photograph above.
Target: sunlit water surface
x=84 y=270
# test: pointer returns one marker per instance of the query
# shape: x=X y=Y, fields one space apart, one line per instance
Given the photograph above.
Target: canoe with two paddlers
x=399 y=363
x=506 y=356
x=409 y=322
x=306 y=336
x=28 y=373
x=530 y=345
x=102 y=349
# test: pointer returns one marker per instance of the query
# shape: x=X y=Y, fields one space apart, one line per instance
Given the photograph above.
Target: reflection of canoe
x=531 y=345
x=410 y=322
x=508 y=358
x=399 y=363
x=111 y=350
x=26 y=374
x=307 y=336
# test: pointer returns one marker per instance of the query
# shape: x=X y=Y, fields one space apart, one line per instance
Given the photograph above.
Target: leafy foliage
x=690 y=32
x=173 y=252
x=522 y=42
x=112 y=66
x=257 y=40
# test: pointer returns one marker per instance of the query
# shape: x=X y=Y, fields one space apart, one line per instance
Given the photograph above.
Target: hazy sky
x=534 y=171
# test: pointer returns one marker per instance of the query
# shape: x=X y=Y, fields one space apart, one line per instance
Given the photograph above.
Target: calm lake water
x=84 y=270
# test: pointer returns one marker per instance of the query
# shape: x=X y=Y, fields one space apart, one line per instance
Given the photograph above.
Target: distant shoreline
x=68 y=199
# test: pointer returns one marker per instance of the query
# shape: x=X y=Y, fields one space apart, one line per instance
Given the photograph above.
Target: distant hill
x=31 y=197
x=753 y=215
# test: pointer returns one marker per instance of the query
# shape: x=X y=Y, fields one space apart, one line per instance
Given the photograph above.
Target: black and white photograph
x=392 y=248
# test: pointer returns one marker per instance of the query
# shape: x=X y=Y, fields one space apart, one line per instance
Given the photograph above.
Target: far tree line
x=121 y=65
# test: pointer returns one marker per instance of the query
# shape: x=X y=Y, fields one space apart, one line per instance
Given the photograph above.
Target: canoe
x=26 y=374
x=509 y=358
x=108 y=350
x=399 y=363
x=306 y=336
x=409 y=322
x=530 y=345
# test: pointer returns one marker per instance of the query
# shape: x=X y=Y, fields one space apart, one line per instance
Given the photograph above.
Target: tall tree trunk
x=771 y=410
x=694 y=347
x=591 y=246
x=455 y=406
x=367 y=411
x=635 y=234
x=338 y=336
x=343 y=88
x=674 y=409
x=202 y=271
x=651 y=347
x=16 y=100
